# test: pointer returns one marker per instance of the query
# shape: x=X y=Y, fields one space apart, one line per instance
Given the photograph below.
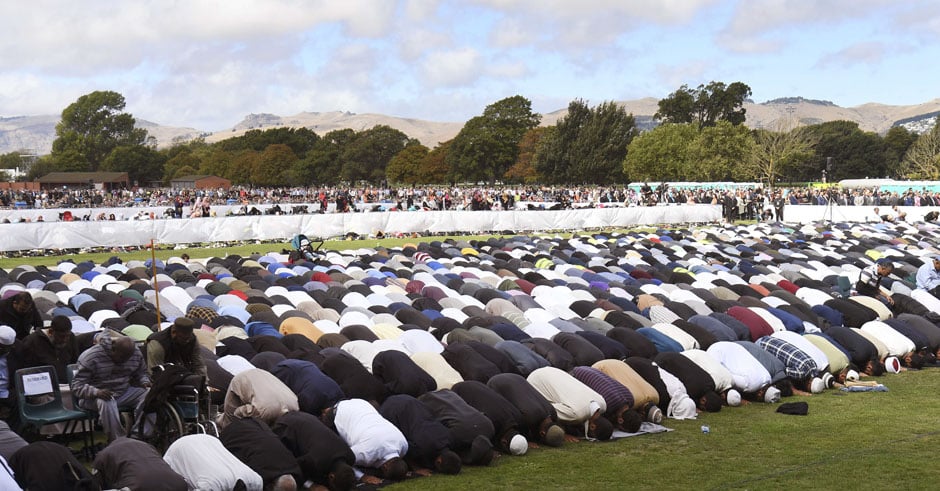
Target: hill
x=34 y=134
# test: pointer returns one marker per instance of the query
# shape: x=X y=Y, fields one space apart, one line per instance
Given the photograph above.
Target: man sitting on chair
x=111 y=375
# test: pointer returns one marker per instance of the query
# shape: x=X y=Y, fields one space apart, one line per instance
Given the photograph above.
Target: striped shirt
x=615 y=394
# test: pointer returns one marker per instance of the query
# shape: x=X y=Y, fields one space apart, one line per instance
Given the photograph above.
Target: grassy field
x=869 y=440
x=165 y=252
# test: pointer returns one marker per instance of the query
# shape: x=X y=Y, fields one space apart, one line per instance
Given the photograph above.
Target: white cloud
x=416 y=42
x=766 y=25
x=452 y=67
x=859 y=53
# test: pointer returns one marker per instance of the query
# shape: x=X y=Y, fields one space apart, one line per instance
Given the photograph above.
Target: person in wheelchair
x=111 y=375
x=176 y=345
x=303 y=249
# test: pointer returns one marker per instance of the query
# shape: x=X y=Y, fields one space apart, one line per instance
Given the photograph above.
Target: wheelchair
x=185 y=409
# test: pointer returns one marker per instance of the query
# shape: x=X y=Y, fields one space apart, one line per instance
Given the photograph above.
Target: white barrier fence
x=53 y=234
x=79 y=234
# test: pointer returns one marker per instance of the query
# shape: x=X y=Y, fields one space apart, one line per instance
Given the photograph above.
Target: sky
x=206 y=64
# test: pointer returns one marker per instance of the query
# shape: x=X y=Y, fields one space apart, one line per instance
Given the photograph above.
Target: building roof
x=79 y=177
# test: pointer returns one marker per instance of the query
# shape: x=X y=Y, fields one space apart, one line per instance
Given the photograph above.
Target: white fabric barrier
x=836 y=213
x=68 y=235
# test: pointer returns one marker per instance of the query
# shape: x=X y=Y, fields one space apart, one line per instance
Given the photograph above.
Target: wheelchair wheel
x=167 y=427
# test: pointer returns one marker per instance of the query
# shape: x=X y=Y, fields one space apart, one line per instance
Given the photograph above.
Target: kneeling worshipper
x=315 y=391
x=205 y=463
x=617 y=396
x=580 y=409
x=255 y=393
x=749 y=377
x=537 y=416
x=378 y=445
x=428 y=439
x=322 y=455
x=504 y=416
x=48 y=466
x=260 y=449
x=470 y=430
x=133 y=464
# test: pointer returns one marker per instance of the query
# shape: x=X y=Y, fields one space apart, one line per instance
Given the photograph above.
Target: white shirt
x=362 y=350
x=205 y=464
x=234 y=364
x=570 y=397
x=896 y=343
x=373 y=439
x=678 y=335
x=746 y=371
x=722 y=377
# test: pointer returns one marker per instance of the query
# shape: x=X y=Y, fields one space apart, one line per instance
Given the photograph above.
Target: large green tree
x=488 y=145
x=323 y=164
x=719 y=152
x=847 y=151
x=661 y=154
x=273 y=166
x=92 y=127
x=368 y=154
x=587 y=145
x=405 y=167
x=142 y=163
x=705 y=104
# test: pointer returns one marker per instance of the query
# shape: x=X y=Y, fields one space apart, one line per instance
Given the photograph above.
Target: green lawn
x=848 y=441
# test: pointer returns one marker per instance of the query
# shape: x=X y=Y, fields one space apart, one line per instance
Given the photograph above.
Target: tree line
x=701 y=137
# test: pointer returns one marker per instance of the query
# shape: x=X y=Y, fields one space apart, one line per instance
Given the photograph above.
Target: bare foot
x=375 y=481
x=571 y=438
x=533 y=445
x=422 y=472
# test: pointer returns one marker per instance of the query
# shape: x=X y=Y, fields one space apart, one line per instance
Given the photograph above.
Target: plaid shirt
x=615 y=394
x=800 y=366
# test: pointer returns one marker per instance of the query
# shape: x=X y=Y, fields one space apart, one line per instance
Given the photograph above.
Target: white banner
x=52 y=234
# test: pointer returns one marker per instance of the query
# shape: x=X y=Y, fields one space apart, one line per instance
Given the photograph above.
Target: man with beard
x=176 y=345
x=53 y=346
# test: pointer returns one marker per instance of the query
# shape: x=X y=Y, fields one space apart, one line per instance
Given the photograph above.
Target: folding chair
x=40 y=403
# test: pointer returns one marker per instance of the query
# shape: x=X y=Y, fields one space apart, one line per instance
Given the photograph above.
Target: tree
x=405 y=167
x=488 y=145
x=922 y=160
x=323 y=164
x=777 y=151
x=434 y=169
x=705 y=105
x=661 y=154
x=587 y=145
x=12 y=160
x=273 y=166
x=182 y=157
x=719 y=152
x=368 y=154
x=143 y=164
x=897 y=140
x=300 y=140
x=91 y=128
x=849 y=151
x=41 y=167
x=524 y=169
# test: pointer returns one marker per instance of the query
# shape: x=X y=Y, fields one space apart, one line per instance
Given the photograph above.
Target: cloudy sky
x=208 y=63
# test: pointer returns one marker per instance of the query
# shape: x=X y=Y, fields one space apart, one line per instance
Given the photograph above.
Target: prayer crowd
x=335 y=368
